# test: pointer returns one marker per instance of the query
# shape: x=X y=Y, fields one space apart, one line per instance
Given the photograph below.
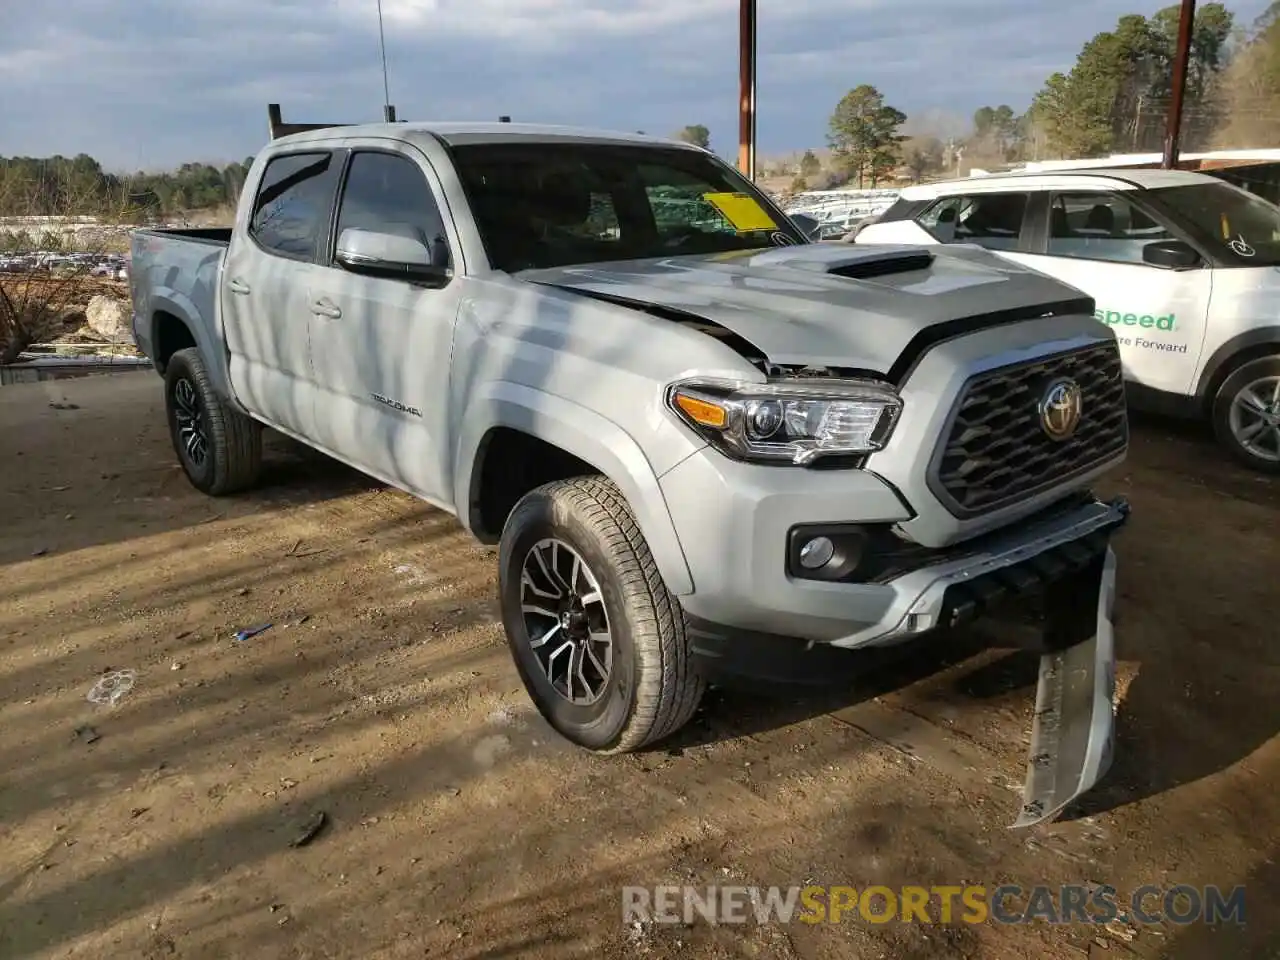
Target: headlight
x=792 y=422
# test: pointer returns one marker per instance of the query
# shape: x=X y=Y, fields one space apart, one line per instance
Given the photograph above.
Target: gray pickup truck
x=704 y=443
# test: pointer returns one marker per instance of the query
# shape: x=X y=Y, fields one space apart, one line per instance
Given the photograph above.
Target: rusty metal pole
x=747 y=88
x=1181 y=57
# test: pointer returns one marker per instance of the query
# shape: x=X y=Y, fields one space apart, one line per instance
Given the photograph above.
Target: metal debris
x=310 y=830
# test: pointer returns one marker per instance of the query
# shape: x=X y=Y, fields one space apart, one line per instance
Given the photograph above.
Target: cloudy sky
x=152 y=83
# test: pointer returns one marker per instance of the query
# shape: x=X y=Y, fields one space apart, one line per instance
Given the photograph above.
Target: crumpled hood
x=795 y=306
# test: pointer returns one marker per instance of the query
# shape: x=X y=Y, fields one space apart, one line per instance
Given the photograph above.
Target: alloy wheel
x=188 y=412
x=566 y=621
x=1255 y=418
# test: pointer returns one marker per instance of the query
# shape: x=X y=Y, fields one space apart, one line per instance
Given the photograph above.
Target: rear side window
x=390 y=194
x=1100 y=226
x=991 y=220
x=900 y=209
x=291 y=210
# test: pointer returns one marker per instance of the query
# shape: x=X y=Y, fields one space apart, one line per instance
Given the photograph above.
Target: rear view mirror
x=392 y=255
x=809 y=226
x=1175 y=254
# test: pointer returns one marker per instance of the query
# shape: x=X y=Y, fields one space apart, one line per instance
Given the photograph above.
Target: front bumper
x=1061 y=559
x=733 y=521
x=1024 y=563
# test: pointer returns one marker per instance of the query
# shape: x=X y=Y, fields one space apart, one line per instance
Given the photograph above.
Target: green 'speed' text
x=1116 y=319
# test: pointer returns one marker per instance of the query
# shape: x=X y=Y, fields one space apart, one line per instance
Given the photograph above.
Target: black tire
x=1262 y=369
x=652 y=688
x=231 y=451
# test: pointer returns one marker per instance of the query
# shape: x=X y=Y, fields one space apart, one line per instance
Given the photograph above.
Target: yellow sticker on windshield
x=742 y=210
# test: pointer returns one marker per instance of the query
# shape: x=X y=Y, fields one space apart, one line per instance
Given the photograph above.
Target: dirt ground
x=457 y=825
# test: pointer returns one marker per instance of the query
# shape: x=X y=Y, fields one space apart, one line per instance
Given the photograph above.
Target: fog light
x=817 y=553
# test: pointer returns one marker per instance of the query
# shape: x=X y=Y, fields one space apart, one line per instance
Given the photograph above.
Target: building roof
x=1204 y=159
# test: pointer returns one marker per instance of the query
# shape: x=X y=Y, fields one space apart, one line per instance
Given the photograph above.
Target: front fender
x=589 y=437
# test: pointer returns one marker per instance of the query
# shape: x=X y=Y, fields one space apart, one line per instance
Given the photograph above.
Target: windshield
x=1242 y=229
x=557 y=204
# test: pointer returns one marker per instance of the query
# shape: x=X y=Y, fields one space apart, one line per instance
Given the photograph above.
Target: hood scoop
x=860 y=262
x=869 y=270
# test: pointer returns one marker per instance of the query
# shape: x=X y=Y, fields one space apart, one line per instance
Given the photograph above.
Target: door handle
x=326 y=308
x=237 y=286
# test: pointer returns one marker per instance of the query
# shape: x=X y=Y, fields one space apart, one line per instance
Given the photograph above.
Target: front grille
x=996 y=451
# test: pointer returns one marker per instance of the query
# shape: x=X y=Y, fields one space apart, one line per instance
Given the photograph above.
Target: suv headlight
x=791 y=422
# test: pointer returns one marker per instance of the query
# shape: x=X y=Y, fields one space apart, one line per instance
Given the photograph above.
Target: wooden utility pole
x=1181 y=58
x=747 y=88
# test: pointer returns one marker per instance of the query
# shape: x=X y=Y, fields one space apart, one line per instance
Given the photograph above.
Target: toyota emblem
x=1061 y=407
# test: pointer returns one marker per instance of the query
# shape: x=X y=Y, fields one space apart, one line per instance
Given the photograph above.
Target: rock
x=109 y=318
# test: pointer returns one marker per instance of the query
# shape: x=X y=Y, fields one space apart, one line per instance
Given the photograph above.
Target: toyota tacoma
x=703 y=442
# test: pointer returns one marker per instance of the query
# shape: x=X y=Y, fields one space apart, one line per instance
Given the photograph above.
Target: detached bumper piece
x=1070 y=591
x=1073 y=731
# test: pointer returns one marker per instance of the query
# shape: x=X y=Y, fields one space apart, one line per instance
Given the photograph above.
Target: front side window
x=390 y=194
x=291 y=210
x=541 y=205
x=1241 y=228
x=991 y=220
x=1100 y=226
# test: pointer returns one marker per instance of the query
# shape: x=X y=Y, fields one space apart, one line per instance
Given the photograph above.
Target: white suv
x=1185 y=266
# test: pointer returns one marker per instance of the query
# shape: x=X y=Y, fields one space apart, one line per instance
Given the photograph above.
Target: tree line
x=54 y=186
x=1114 y=99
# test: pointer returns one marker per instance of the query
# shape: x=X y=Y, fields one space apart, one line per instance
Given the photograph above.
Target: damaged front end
x=1049 y=590
x=1071 y=589
x=1073 y=730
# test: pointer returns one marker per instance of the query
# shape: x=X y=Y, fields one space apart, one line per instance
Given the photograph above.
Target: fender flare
x=179 y=306
x=589 y=437
x=1210 y=376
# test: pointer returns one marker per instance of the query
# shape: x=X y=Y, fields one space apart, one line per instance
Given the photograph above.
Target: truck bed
x=215 y=235
x=175 y=271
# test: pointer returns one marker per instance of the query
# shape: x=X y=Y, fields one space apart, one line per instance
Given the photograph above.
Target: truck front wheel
x=1246 y=414
x=220 y=449
x=596 y=636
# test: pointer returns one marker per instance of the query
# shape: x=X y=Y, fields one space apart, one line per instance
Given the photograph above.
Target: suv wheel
x=1246 y=414
x=219 y=448
x=596 y=636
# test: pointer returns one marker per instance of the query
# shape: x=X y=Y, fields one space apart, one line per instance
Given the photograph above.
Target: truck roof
x=456 y=133
x=1104 y=178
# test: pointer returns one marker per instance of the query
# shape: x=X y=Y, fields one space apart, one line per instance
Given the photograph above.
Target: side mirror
x=1175 y=254
x=392 y=255
x=811 y=227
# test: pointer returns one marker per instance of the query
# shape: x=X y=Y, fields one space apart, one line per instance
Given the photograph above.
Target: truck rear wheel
x=220 y=449
x=596 y=636
x=1246 y=414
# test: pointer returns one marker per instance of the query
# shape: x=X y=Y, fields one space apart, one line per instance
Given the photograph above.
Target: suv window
x=1100 y=226
x=389 y=193
x=291 y=210
x=991 y=220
